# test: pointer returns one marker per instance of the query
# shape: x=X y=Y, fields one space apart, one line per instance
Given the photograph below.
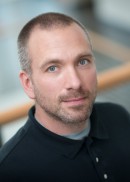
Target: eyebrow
x=49 y=62
x=59 y=61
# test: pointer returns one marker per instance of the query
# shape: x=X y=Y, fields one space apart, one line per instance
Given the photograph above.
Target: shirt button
x=97 y=159
x=105 y=176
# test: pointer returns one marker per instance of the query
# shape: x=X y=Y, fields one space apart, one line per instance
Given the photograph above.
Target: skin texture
x=63 y=82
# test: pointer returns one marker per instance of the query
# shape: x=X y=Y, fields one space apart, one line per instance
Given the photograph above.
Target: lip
x=75 y=101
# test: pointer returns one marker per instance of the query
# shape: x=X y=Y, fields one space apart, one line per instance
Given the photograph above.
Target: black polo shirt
x=36 y=154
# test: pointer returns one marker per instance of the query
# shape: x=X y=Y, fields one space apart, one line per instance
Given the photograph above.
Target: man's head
x=45 y=21
x=60 y=74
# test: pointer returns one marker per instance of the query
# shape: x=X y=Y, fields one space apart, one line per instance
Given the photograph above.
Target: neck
x=59 y=127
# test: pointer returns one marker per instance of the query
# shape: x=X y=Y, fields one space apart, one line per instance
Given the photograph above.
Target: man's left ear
x=27 y=84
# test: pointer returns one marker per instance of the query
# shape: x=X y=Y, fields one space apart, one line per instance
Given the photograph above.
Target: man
x=67 y=137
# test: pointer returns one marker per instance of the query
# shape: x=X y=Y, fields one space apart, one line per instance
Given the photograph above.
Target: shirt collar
x=65 y=146
x=98 y=128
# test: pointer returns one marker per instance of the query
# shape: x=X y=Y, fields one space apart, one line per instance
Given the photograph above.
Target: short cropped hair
x=44 y=21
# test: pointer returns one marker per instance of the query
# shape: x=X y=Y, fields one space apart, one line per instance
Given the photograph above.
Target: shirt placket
x=99 y=162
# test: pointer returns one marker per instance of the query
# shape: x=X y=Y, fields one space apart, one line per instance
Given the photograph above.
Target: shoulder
x=114 y=118
x=12 y=143
x=112 y=112
x=109 y=108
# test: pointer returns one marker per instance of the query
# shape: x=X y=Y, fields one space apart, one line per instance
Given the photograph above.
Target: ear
x=27 y=84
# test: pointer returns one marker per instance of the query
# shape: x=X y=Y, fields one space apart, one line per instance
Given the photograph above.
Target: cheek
x=91 y=80
x=50 y=88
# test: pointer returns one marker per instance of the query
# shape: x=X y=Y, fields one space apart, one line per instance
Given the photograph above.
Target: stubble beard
x=73 y=116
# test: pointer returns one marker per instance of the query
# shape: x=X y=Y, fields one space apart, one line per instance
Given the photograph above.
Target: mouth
x=75 y=101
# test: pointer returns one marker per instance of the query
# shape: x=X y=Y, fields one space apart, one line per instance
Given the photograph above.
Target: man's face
x=63 y=79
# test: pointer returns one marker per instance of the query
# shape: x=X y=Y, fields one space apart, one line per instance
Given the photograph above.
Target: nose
x=72 y=79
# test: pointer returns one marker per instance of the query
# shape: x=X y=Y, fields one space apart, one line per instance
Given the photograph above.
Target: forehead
x=68 y=39
x=39 y=32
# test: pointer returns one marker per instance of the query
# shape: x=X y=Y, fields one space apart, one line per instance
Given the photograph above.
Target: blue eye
x=52 y=68
x=83 y=62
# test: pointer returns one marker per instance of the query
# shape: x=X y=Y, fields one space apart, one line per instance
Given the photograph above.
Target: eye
x=83 y=62
x=52 y=68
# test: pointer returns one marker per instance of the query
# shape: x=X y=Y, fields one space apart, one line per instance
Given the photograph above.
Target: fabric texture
x=36 y=154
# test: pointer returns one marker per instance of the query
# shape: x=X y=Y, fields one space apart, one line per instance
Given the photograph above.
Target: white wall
x=114 y=12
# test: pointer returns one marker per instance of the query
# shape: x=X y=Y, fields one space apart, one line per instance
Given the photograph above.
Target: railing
x=106 y=80
x=114 y=77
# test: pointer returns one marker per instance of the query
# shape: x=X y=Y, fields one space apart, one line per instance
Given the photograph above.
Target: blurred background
x=108 y=23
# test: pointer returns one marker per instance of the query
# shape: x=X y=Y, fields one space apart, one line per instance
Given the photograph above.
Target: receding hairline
x=46 y=21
